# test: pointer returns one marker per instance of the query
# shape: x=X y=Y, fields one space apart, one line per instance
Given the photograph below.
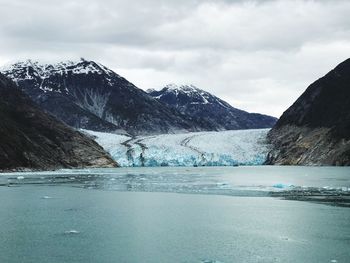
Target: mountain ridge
x=85 y=94
x=197 y=103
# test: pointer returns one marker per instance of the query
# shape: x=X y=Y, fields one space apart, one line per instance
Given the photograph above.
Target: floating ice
x=72 y=232
x=282 y=186
x=224 y=185
x=344 y=189
x=225 y=148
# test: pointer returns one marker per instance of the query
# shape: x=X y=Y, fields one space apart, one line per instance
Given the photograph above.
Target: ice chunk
x=72 y=232
x=281 y=185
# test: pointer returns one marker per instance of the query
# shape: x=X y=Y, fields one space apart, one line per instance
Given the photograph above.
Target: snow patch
x=92 y=100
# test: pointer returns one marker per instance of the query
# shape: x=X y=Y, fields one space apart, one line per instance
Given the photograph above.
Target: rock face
x=85 y=94
x=32 y=139
x=212 y=112
x=315 y=130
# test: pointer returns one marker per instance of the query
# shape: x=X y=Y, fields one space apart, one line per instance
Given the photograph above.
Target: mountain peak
x=183 y=94
x=203 y=106
x=173 y=86
x=29 y=69
x=325 y=103
x=185 y=88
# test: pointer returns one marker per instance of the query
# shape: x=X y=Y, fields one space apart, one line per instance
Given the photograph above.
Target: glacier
x=223 y=148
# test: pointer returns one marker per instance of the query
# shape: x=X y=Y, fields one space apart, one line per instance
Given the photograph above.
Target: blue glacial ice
x=282 y=185
x=225 y=148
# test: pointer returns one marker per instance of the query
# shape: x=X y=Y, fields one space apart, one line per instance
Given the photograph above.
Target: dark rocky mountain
x=32 y=139
x=212 y=112
x=85 y=94
x=316 y=128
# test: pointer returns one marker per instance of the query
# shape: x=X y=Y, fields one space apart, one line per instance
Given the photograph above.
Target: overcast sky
x=257 y=55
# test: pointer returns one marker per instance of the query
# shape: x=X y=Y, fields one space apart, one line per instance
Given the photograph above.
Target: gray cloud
x=257 y=55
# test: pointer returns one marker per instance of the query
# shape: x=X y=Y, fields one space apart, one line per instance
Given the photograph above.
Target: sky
x=257 y=55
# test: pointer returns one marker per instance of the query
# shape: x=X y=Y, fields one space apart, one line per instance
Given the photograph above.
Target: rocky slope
x=315 y=130
x=212 y=112
x=85 y=94
x=32 y=139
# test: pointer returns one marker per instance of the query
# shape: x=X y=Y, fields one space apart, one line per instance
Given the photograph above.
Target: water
x=211 y=214
x=233 y=181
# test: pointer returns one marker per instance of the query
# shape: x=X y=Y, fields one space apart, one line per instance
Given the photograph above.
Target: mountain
x=316 y=128
x=86 y=94
x=30 y=138
x=214 y=113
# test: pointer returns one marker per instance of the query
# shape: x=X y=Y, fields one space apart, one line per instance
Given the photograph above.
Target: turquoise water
x=172 y=215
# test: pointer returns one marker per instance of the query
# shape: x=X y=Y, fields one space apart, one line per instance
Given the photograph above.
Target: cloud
x=257 y=55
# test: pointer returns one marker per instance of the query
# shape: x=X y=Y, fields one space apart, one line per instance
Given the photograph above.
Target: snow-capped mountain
x=214 y=112
x=86 y=94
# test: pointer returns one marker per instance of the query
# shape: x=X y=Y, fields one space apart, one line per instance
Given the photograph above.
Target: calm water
x=217 y=214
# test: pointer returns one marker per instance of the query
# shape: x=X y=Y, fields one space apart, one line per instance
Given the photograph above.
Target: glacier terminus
x=224 y=148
